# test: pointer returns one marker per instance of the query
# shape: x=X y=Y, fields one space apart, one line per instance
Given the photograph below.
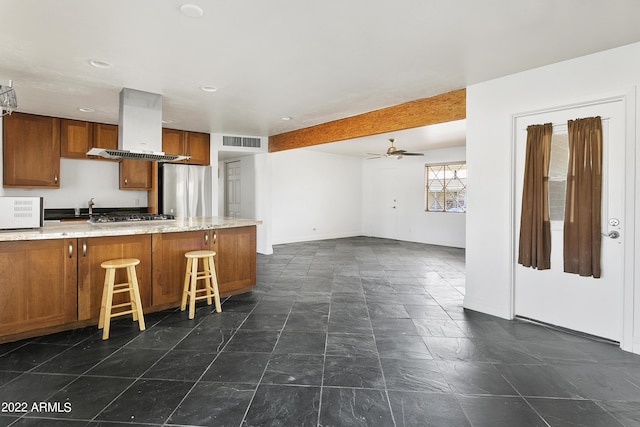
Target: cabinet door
x=94 y=251
x=198 y=147
x=235 y=259
x=169 y=263
x=173 y=141
x=105 y=136
x=135 y=175
x=31 y=151
x=37 y=284
x=76 y=138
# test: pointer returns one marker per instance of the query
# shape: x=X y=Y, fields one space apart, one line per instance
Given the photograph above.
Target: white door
x=585 y=304
x=384 y=213
x=233 y=176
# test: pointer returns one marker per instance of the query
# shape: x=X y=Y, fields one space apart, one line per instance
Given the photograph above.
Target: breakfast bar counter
x=80 y=229
x=52 y=279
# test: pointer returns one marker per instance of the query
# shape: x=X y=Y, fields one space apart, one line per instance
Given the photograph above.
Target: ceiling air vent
x=241 y=141
x=232 y=141
x=251 y=142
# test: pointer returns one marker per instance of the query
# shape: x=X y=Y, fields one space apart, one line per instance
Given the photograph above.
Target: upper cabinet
x=77 y=137
x=185 y=143
x=31 y=151
x=136 y=175
x=105 y=136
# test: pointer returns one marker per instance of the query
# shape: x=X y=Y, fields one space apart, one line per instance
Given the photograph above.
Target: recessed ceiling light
x=167 y=121
x=208 y=88
x=98 y=63
x=86 y=110
x=191 y=10
x=286 y=118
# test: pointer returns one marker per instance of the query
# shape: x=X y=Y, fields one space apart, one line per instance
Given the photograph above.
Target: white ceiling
x=315 y=61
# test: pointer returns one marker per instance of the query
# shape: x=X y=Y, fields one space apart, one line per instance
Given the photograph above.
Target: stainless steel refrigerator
x=185 y=190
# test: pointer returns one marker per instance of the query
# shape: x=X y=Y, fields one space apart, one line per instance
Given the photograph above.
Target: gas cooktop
x=102 y=218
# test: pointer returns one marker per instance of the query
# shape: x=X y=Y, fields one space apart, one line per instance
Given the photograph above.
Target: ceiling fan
x=393 y=152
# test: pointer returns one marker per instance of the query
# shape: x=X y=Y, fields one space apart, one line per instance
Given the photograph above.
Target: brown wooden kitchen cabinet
x=95 y=250
x=169 y=263
x=37 y=284
x=31 y=151
x=135 y=175
x=77 y=137
x=185 y=143
x=235 y=258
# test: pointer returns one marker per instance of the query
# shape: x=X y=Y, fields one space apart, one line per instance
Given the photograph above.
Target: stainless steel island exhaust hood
x=140 y=129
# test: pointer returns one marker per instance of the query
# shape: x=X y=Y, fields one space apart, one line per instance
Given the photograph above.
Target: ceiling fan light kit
x=393 y=152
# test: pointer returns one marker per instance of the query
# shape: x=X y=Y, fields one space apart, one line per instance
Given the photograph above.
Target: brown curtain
x=584 y=193
x=535 y=228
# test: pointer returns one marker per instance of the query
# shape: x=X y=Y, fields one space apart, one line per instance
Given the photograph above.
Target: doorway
x=584 y=304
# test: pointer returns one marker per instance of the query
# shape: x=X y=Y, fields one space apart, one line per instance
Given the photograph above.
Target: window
x=558 y=165
x=446 y=187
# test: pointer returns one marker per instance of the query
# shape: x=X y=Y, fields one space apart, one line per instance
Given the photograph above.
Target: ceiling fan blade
x=412 y=154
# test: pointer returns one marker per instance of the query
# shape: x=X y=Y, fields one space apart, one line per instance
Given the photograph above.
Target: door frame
x=627 y=303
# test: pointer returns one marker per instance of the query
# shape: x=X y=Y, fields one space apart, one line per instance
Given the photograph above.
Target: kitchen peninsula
x=52 y=279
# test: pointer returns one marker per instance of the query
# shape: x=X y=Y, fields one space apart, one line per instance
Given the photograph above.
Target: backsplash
x=81 y=180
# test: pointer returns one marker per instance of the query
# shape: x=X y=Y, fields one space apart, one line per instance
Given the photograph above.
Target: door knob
x=612 y=234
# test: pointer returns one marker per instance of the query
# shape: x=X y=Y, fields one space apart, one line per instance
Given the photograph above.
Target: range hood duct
x=140 y=129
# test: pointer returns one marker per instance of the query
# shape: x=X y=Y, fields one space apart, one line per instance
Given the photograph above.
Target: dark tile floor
x=357 y=331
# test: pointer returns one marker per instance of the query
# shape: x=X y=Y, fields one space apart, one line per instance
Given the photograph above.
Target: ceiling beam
x=441 y=108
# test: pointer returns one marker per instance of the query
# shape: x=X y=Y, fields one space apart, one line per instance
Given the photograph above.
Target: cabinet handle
x=126 y=181
x=70 y=249
x=84 y=248
x=215 y=237
x=55 y=179
x=206 y=239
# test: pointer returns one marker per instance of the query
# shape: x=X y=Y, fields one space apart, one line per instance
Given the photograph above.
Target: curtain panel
x=535 y=227
x=582 y=216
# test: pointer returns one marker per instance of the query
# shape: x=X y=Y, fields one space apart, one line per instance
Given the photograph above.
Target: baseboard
x=486 y=308
x=314 y=237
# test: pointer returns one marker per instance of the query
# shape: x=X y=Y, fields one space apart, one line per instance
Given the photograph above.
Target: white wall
x=490 y=110
x=406 y=191
x=315 y=196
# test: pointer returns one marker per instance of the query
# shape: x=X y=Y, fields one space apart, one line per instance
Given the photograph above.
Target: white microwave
x=21 y=212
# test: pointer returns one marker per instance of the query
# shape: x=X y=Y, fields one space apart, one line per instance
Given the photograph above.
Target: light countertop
x=80 y=229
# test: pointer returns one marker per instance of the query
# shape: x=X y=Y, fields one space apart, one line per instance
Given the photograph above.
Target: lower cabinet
x=37 y=284
x=235 y=258
x=50 y=283
x=92 y=252
x=169 y=263
x=235 y=261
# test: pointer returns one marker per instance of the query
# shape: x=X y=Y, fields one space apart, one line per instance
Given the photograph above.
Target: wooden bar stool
x=110 y=288
x=191 y=277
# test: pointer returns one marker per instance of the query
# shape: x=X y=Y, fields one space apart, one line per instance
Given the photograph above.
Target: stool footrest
x=122 y=313
x=124 y=304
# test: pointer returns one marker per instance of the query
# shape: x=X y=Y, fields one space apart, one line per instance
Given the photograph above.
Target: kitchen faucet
x=91 y=206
